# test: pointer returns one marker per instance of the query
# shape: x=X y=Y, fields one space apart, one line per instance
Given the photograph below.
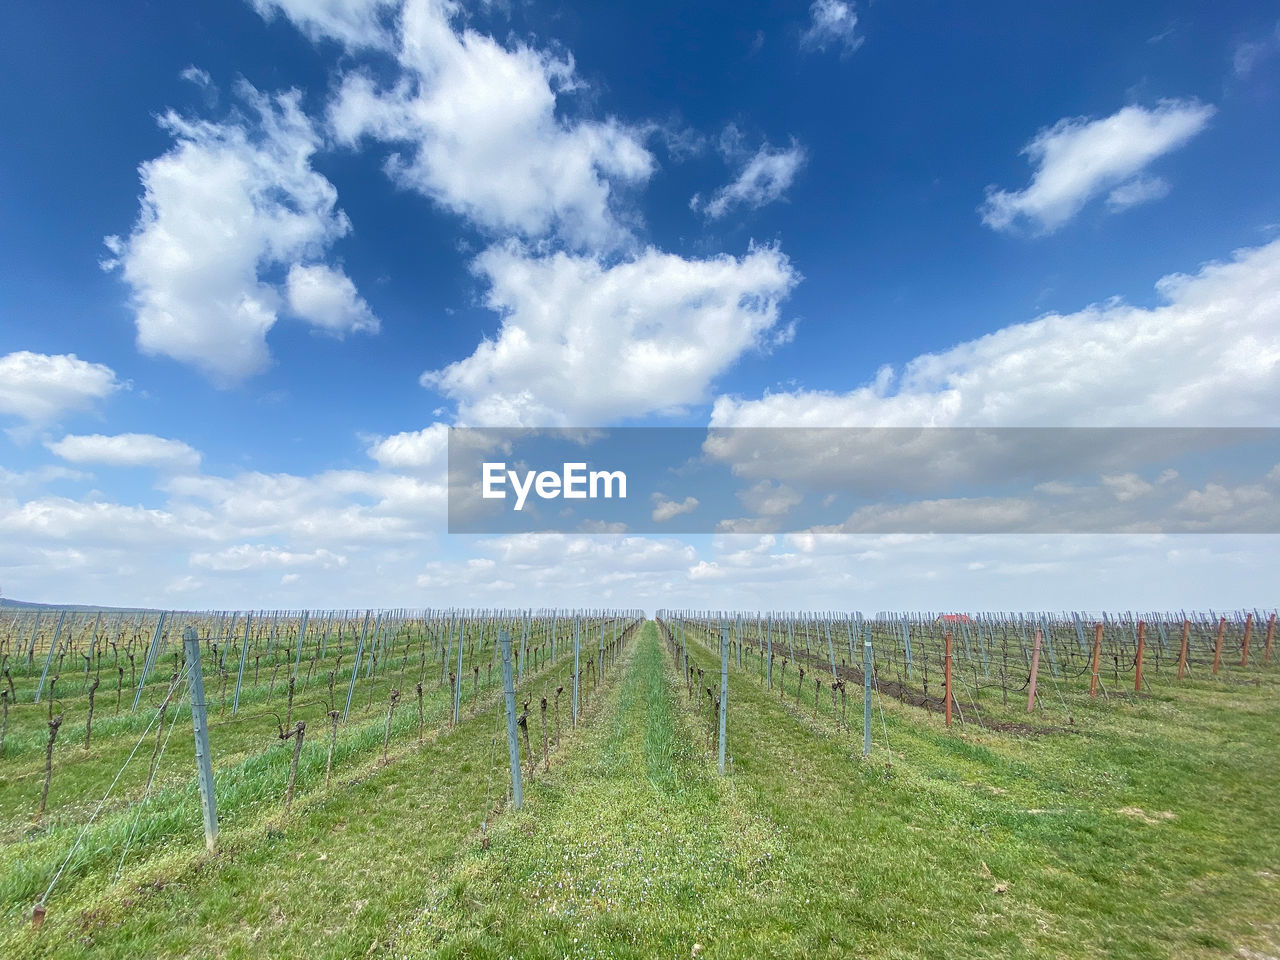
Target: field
x=1138 y=821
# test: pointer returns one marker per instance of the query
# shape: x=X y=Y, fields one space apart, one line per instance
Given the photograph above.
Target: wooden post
x=1271 y=632
x=946 y=676
x=1035 y=669
x=1182 y=657
x=1217 y=649
x=1248 y=632
x=1097 y=657
x=1137 y=660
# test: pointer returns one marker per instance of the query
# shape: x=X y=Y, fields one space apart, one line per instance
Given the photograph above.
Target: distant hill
x=7 y=604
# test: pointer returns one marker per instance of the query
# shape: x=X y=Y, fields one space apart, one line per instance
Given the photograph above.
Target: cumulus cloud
x=333 y=507
x=415 y=450
x=127 y=450
x=768 y=499
x=584 y=343
x=39 y=387
x=764 y=178
x=1127 y=486
x=1215 y=340
x=246 y=556
x=327 y=298
x=1077 y=159
x=832 y=23
x=479 y=132
x=664 y=509
x=227 y=205
x=95 y=522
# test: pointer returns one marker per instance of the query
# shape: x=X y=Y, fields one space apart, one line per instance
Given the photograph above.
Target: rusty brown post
x=1097 y=656
x=1182 y=657
x=1217 y=648
x=947 y=677
x=1137 y=661
x=1035 y=669
x=1248 y=632
x=1271 y=632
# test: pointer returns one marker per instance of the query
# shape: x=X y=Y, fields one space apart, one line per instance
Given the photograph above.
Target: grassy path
x=633 y=848
x=332 y=881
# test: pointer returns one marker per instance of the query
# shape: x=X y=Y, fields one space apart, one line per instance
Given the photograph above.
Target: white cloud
x=831 y=23
x=355 y=23
x=127 y=450
x=583 y=343
x=194 y=74
x=94 y=522
x=1251 y=53
x=1076 y=159
x=327 y=298
x=665 y=509
x=764 y=177
x=246 y=556
x=1127 y=486
x=333 y=507
x=1215 y=341
x=1136 y=191
x=229 y=202
x=15 y=482
x=483 y=136
x=39 y=387
x=767 y=499
x=415 y=450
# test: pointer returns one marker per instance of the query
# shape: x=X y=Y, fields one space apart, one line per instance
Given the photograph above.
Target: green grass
x=631 y=848
x=1146 y=828
x=329 y=880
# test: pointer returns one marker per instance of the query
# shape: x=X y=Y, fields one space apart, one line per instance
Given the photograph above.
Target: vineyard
x=589 y=783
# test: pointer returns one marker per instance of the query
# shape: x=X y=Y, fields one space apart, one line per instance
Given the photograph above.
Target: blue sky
x=255 y=258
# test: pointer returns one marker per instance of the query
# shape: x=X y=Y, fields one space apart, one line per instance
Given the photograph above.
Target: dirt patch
x=1159 y=816
x=915 y=698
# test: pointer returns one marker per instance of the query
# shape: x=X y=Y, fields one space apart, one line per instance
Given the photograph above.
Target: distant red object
x=955 y=618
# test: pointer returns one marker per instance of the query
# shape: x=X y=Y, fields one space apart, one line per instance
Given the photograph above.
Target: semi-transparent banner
x=864 y=480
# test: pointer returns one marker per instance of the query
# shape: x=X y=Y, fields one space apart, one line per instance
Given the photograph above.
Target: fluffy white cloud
x=327 y=298
x=664 y=509
x=1127 y=486
x=481 y=135
x=1076 y=159
x=1215 y=342
x=766 y=499
x=583 y=343
x=39 y=387
x=222 y=208
x=127 y=450
x=832 y=23
x=355 y=23
x=764 y=177
x=94 y=522
x=422 y=450
x=246 y=556
x=333 y=507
